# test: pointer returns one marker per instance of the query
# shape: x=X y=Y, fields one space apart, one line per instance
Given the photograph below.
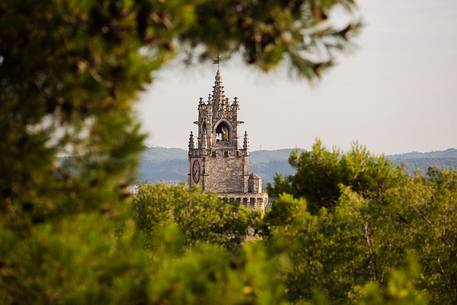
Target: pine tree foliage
x=320 y=173
x=376 y=215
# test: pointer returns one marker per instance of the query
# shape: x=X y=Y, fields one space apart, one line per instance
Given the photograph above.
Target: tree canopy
x=200 y=217
x=366 y=216
x=321 y=173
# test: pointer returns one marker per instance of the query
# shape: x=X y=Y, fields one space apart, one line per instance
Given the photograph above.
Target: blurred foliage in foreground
x=71 y=69
x=69 y=234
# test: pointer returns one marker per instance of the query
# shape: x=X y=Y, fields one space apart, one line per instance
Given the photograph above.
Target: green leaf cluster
x=321 y=174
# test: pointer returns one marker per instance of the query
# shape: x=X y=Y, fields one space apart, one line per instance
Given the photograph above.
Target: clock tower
x=217 y=161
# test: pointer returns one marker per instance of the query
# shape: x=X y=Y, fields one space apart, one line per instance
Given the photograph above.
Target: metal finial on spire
x=217 y=62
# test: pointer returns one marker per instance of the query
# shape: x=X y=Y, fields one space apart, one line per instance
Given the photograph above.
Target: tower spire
x=245 y=141
x=218 y=95
x=191 y=141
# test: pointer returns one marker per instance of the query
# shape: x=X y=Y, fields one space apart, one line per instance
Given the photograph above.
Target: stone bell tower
x=217 y=163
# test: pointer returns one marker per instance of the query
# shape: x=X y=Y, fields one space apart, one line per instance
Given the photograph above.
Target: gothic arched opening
x=222 y=132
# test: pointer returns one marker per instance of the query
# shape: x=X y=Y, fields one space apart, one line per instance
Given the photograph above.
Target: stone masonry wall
x=224 y=174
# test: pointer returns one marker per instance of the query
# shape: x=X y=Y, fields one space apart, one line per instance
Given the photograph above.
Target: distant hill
x=450 y=153
x=160 y=154
x=265 y=156
x=170 y=164
x=417 y=160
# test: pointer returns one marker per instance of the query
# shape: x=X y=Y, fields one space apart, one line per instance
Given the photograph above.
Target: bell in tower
x=217 y=164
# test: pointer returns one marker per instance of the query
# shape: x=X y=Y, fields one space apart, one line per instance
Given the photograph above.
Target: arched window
x=222 y=132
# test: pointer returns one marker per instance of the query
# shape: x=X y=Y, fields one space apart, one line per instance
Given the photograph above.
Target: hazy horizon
x=395 y=93
x=287 y=148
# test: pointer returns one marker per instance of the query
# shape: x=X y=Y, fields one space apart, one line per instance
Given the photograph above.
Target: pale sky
x=397 y=92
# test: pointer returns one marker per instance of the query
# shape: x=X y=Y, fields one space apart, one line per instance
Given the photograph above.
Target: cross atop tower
x=217 y=61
